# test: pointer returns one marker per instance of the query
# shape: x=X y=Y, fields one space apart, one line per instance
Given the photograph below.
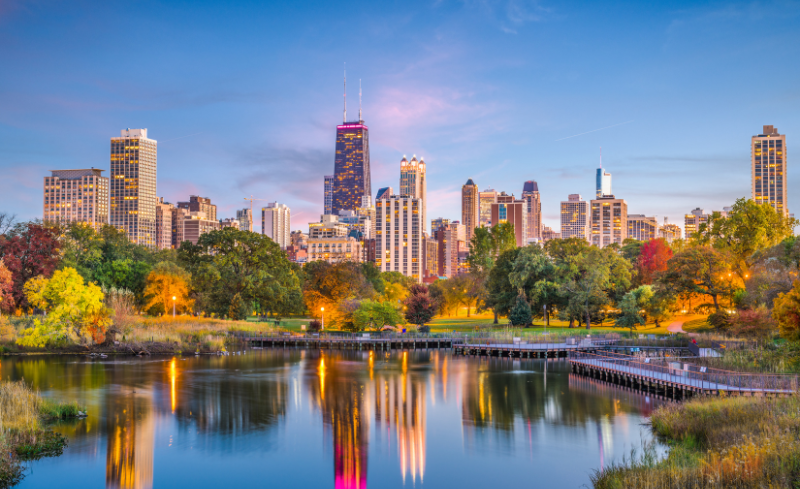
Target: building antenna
x=359 y=100
x=344 y=117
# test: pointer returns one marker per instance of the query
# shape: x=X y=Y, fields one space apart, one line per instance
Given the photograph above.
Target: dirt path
x=677 y=326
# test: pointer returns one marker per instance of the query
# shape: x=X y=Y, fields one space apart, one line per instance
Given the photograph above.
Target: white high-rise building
x=575 y=218
x=412 y=181
x=76 y=196
x=132 y=186
x=768 y=169
x=276 y=223
x=245 y=219
x=398 y=235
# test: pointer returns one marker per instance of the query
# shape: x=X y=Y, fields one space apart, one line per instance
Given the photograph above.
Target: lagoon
x=341 y=419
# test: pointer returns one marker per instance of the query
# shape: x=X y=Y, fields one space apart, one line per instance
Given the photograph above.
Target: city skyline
x=473 y=125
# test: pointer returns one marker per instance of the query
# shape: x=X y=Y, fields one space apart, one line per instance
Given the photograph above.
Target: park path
x=677 y=326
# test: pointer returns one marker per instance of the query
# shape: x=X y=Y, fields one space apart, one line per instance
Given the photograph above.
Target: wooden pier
x=379 y=342
x=677 y=380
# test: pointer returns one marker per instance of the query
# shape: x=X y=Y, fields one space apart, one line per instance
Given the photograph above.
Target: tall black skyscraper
x=351 y=176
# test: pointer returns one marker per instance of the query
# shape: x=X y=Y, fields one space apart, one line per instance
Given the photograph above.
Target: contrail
x=173 y=139
x=595 y=130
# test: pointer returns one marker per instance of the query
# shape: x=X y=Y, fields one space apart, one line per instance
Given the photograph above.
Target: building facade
x=603 y=183
x=276 y=223
x=430 y=264
x=609 y=221
x=200 y=204
x=470 y=209
x=245 y=218
x=351 y=177
x=413 y=181
x=327 y=227
x=328 y=199
x=164 y=212
x=438 y=222
x=178 y=216
x=132 y=186
x=533 y=210
x=669 y=232
x=486 y=198
x=334 y=250
x=768 y=169
x=549 y=233
x=398 y=235
x=575 y=218
x=509 y=209
x=642 y=228
x=76 y=196
x=693 y=220
x=197 y=224
x=449 y=242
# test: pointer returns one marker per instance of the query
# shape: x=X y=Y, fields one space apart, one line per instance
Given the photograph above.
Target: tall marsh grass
x=717 y=443
x=187 y=332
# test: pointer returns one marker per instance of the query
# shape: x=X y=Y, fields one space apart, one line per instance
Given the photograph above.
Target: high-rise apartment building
x=533 y=210
x=398 y=235
x=164 y=212
x=328 y=200
x=575 y=218
x=603 y=182
x=470 y=209
x=200 y=204
x=449 y=242
x=413 y=182
x=276 y=223
x=669 y=232
x=367 y=210
x=178 y=216
x=487 y=198
x=76 y=196
x=609 y=221
x=768 y=169
x=245 y=218
x=327 y=227
x=642 y=228
x=334 y=250
x=509 y=209
x=693 y=220
x=549 y=234
x=430 y=265
x=358 y=225
x=438 y=222
x=197 y=224
x=132 y=186
x=384 y=192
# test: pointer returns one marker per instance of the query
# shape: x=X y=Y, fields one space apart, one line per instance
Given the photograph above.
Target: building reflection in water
x=130 y=433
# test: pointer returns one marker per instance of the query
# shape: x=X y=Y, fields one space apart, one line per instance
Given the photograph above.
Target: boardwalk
x=677 y=379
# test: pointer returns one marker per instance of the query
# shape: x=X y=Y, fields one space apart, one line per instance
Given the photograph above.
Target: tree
x=73 y=309
x=773 y=272
x=653 y=259
x=748 y=228
x=501 y=294
x=167 y=284
x=235 y=262
x=534 y=277
x=697 y=270
x=503 y=238
x=332 y=285
x=420 y=306
x=29 y=250
x=787 y=313
x=481 y=253
x=631 y=249
x=376 y=314
x=633 y=307
x=6 y=287
x=520 y=314
x=373 y=275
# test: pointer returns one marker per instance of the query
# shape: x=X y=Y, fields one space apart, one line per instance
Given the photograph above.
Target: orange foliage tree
x=653 y=259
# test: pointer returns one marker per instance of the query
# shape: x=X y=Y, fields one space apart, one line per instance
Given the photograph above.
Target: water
x=332 y=419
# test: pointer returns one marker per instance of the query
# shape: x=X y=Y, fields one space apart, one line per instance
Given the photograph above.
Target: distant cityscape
x=387 y=230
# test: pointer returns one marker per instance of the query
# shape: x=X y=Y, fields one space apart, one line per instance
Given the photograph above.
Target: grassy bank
x=24 y=417
x=717 y=443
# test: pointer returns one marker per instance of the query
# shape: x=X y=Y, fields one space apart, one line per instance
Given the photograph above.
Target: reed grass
x=717 y=443
x=186 y=332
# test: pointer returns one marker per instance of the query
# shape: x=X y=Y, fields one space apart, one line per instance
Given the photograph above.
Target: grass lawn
x=698 y=326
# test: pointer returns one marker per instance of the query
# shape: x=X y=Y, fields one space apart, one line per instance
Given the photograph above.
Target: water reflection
x=365 y=415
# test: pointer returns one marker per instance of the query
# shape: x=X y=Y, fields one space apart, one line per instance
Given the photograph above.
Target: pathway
x=677 y=326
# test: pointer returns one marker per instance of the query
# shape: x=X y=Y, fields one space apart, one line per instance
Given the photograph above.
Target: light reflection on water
x=331 y=419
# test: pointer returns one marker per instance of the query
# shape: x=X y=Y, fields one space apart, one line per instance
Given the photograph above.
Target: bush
x=520 y=314
x=720 y=320
x=315 y=326
x=424 y=329
x=753 y=323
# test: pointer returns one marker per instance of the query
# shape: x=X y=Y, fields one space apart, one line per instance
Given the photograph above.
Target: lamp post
x=323 y=318
x=545 y=318
x=173 y=306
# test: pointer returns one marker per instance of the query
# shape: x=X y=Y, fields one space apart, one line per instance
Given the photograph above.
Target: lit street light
x=173 y=306
x=323 y=318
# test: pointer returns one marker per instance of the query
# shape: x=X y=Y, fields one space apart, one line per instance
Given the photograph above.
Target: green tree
x=697 y=270
x=520 y=313
x=481 y=253
x=633 y=307
x=501 y=294
x=631 y=249
x=376 y=314
x=748 y=228
x=787 y=313
x=72 y=307
x=534 y=276
x=503 y=238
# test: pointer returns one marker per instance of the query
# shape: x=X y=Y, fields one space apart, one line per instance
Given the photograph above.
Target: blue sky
x=244 y=97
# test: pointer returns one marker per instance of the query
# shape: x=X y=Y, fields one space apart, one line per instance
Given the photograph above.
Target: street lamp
x=173 y=306
x=545 y=318
x=323 y=318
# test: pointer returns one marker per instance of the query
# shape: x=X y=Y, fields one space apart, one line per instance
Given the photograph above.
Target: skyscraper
x=276 y=223
x=609 y=221
x=470 y=209
x=693 y=220
x=509 y=209
x=533 y=208
x=76 y=196
x=200 y=204
x=351 y=176
x=642 y=228
x=164 y=218
x=487 y=198
x=412 y=181
x=398 y=237
x=449 y=239
x=603 y=180
x=133 y=185
x=328 y=194
x=245 y=219
x=575 y=218
x=768 y=169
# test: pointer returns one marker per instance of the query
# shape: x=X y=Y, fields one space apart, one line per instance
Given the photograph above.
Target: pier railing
x=344 y=335
x=688 y=374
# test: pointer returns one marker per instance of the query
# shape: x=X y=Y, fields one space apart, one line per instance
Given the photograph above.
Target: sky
x=244 y=97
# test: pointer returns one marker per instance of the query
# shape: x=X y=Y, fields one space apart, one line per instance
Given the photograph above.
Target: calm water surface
x=333 y=419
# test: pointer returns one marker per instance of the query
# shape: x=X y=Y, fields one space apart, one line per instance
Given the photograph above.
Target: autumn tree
x=653 y=259
x=75 y=310
x=330 y=285
x=29 y=250
x=6 y=286
x=697 y=270
x=420 y=306
x=167 y=285
x=787 y=313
